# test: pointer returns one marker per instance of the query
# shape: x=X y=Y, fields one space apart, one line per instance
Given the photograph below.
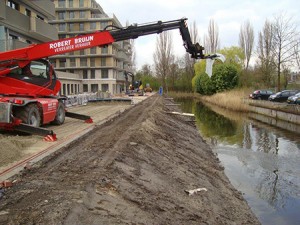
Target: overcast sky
x=229 y=15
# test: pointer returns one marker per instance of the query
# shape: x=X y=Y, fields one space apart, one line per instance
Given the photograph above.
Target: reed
x=232 y=100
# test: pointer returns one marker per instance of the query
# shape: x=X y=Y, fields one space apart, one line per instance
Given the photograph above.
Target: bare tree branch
x=265 y=54
x=212 y=41
x=285 y=40
x=246 y=41
x=163 y=56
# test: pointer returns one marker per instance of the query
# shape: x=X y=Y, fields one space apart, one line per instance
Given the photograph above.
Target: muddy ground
x=134 y=169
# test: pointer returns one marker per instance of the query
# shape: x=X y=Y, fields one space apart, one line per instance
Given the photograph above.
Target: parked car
x=282 y=96
x=294 y=99
x=261 y=94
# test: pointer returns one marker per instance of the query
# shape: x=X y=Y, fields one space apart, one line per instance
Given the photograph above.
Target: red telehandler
x=29 y=88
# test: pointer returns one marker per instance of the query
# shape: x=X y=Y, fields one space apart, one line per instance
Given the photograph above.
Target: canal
x=261 y=161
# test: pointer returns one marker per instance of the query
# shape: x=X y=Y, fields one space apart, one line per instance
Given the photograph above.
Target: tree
x=163 y=56
x=246 y=41
x=132 y=52
x=174 y=74
x=190 y=62
x=145 y=74
x=212 y=41
x=266 y=59
x=146 y=69
x=234 y=55
x=297 y=53
x=285 y=40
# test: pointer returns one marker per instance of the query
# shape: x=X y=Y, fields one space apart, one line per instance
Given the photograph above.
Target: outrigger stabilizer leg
x=48 y=135
x=87 y=119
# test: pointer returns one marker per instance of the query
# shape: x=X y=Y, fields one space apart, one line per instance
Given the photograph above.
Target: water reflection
x=260 y=160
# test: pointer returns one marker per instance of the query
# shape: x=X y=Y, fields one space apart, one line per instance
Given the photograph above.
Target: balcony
x=2 y=10
x=98 y=15
x=6 y=45
x=43 y=30
x=29 y=26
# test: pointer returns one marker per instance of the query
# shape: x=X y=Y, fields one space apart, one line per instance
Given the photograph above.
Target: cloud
x=229 y=16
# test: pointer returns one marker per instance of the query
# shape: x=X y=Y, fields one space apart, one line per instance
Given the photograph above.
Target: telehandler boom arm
x=19 y=58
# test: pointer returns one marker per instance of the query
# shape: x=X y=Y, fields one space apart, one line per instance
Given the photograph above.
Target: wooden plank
x=181 y=114
x=172 y=104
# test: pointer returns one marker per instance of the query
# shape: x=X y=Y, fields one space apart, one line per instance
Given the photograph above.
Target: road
x=19 y=150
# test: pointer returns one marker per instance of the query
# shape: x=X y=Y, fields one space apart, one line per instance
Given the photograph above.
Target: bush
x=225 y=77
x=204 y=85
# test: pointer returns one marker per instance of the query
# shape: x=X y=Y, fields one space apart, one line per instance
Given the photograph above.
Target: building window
x=62 y=63
x=27 y=12
x=103 y=25
x=83 y=62
x=84 y=75
x=104 y=87
x=93 y=25
x=94 y=88
x=12 y=37
x=70 y=3
x=61 y=3
x=71 y=26
x=61 y=36
x=71 y=15
x=85 y=88
x=68 y=89
x=39 y=17
x=82 y=14
x=81 y=27
x=72 y=62
x=93 y=50
x=104 y=74
x=92 y=74
x=61 y=15
x=81 y=3
x=92 y=61
x=81 y=52
x=13 y=5
x=104 y=50
x=62 y=27
x=103 y=61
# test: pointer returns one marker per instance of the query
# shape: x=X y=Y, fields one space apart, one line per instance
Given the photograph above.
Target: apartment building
x=97 y=68
x=24 y=22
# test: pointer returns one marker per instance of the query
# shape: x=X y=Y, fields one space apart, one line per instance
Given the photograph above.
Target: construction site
x=138 y=164
x=70 y=155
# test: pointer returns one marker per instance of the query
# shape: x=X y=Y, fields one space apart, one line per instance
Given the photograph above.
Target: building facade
x=98 y=68
x=25 y=22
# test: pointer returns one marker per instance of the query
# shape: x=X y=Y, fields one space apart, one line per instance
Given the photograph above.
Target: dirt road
x=17 y=148
x=135 y=169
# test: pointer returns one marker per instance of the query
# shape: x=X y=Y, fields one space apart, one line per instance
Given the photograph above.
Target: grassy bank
x=232 y=99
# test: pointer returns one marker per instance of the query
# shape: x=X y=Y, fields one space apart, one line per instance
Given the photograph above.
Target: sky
x=228 y=15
